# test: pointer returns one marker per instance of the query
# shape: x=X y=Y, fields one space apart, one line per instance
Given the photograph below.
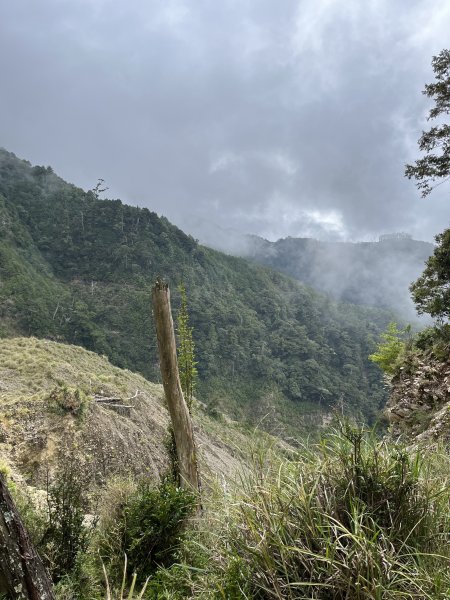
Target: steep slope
x=371 y=273
x=52 y=394
x=419 y=404
x=80 y=269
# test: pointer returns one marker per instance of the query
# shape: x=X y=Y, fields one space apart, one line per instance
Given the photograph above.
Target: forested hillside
x=77 y=268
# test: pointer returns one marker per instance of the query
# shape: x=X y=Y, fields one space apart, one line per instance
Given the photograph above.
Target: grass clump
x=350 y=519
x=68 y=400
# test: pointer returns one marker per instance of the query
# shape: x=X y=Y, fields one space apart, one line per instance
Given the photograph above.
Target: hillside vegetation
x=350 y=517
x=84 y=446
x=77 y=268
x=418 y=369
x=53 y=394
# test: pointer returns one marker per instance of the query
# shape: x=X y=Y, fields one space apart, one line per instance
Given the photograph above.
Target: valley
x=79 y=269
x=286 y=390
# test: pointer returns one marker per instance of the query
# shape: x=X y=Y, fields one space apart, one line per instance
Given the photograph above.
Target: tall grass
x=122 y=594
x=350 y=519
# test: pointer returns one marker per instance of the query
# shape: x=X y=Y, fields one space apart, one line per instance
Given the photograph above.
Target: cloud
x=292 y=118
x=278 y=211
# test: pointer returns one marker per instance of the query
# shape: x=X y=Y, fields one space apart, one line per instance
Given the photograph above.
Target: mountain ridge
x=78 y=268
x=374 y=273
x=365 y=273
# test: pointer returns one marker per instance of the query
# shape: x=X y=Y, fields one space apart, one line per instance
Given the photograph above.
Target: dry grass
x=40 y=364
x=32 y=427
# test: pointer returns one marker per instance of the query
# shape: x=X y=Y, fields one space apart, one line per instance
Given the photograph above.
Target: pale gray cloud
x=274 y=118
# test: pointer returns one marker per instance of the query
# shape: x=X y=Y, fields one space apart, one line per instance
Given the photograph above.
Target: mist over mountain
x=371 y=273
x=365 y=273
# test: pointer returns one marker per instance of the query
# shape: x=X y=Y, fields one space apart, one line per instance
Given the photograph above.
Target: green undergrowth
x=351 y=517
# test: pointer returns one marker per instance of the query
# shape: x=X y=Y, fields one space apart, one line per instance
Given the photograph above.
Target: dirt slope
x=54 y=395
x=419 y=404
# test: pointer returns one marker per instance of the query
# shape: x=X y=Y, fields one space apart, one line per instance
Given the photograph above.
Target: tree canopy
x=78 y=268
x=434 y=168
x=431 y=292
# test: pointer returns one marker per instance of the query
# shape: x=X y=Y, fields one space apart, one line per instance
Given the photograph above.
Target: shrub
x=68 y=400
x=390 y=349
x=350 y=519
x=149 y=526
x=435 y=340
x=66 y=535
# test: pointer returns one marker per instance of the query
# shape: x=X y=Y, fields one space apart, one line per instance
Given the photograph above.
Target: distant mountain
x=77 y=268
x=370 y=273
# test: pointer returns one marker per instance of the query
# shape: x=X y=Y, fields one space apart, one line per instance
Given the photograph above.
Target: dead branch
x=105 y=399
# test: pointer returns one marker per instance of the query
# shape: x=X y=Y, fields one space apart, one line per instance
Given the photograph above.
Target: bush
x=350 y=519
x=390 y=349
x=67 y=535
x=148 y=529
x=68 y=400
x=434 y=341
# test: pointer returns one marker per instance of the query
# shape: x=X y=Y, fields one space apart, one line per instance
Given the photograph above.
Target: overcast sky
x=273 y=117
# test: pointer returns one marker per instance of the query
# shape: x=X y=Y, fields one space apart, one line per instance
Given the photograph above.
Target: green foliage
x=4 y=469
x=351 y=518
x=66 y=535
x=390 y=349
x=78 y=268
x=186 y=350
x=434 y=168
x=171 y=450
x=431 y=291
x=434 y=341
x=149 y=528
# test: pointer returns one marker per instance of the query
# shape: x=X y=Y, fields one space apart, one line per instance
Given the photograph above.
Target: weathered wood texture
x=22 y=573
x=179 y=412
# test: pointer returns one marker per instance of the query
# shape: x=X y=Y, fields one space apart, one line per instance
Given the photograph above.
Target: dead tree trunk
x=22 y=573
x=179 y=413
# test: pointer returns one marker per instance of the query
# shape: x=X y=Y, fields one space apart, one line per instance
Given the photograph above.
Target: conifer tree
x=186 y=350
x=434 y=168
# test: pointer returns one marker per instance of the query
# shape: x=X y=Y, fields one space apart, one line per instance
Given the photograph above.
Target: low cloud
x=292 y=118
